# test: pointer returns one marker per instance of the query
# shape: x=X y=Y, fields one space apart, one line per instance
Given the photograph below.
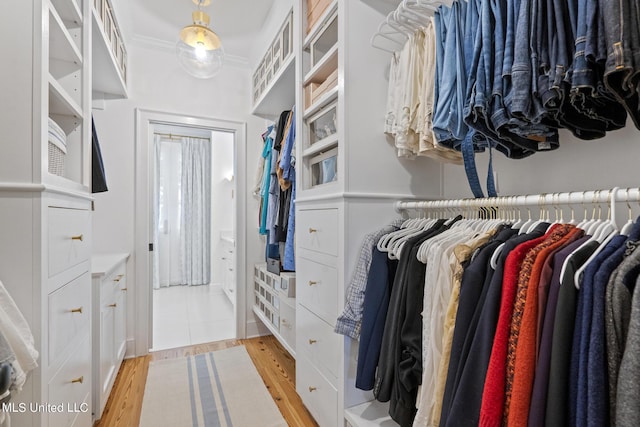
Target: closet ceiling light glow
x=199 y=49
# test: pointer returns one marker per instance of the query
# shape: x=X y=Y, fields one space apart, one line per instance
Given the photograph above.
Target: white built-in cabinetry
x=109 y=52
x=227 y=267
x=273 y=306
x=348 y=178
x=109 y=307
x=45 y=247
x=274 y=91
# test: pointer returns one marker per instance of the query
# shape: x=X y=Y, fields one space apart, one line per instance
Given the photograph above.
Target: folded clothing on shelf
x=57 y=136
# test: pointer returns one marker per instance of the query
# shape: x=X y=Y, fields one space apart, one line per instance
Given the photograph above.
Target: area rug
x=217 y=389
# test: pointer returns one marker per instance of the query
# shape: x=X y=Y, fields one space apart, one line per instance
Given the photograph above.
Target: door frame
x=145 y=120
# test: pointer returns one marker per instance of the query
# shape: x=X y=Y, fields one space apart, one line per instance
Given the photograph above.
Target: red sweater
x=493 y=393
x=525 y=354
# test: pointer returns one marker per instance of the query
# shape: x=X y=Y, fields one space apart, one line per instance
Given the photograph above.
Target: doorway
x=193 y=236
x=186 y=197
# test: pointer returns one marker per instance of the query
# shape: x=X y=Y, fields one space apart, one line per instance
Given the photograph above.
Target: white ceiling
x=237 y=22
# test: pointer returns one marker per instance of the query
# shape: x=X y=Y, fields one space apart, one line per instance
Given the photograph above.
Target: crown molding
x=170 y=47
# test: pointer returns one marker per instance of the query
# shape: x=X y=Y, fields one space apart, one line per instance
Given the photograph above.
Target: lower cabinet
x=109 y=324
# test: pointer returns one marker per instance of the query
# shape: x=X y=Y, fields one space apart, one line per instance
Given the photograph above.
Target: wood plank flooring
x=274 y=364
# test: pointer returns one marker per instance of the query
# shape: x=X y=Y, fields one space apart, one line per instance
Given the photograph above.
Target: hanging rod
x=612 y=196
x=177 y=136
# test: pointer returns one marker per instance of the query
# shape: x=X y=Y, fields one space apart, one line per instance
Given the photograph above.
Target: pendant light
x=199 y=49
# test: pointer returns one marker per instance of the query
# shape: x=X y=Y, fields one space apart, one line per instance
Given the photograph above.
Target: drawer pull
x=311 y=342
x=223 y=258
x=124 y=289
x=76 y=310
x=78 y=380
x=118 y=277
x=231 y=269
x=312 y=389
x=313 y=230
x=80 y=237
x=114 y=305
x=312 y=282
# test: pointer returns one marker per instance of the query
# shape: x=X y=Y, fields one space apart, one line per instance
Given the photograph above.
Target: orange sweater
x=525 y=355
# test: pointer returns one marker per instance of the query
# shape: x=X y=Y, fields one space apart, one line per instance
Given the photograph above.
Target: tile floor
x=189 y=315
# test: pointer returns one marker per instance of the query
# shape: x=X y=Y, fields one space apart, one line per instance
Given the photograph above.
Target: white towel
x=19 y=336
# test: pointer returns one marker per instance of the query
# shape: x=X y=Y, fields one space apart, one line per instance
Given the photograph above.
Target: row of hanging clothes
x=482 y=74
x=472 y=316
x=275 y=186
x=18 y=355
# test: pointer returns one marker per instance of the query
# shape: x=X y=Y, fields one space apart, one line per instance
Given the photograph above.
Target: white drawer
x=71 y=386
x=317 y=230
x=317 y=288
x=320 y=397
x=69 y=244
x=288 y=324
x=112 y=285
x=69 y=311
x=316 y=340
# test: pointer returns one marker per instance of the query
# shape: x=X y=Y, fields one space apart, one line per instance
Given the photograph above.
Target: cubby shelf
x=327 y=65
x=61 y=43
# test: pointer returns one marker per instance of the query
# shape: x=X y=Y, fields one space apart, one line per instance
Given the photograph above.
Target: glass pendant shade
x=199 y=49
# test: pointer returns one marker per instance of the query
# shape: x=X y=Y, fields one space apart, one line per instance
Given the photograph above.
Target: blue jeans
x=622 y=68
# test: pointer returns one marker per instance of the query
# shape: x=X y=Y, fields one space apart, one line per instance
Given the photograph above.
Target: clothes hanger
x=540 y=220
x=626 y=229
x=389 y=34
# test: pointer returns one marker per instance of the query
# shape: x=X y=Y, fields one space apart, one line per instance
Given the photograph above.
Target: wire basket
x=56 y=159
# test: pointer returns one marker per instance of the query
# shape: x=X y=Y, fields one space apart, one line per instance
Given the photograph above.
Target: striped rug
x=217 y=389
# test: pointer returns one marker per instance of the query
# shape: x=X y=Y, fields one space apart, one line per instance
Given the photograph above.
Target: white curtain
x=167 y=256
x=196 y=211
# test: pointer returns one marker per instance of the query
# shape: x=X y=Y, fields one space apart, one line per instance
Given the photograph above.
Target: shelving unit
x=45 y=180
x=273 y=308
x=348 y=178
x=109 y=52
x=273 y=79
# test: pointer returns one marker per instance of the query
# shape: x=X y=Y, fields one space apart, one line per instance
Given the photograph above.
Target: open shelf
x=280 y=95
x=60 y=102
x=329 y=96
x=274 y=331
x=328 y=14
x=322 y=145
x=327 y=65
x=106 y=76
x=61 y=44
x=68 y=10
x=369 y=414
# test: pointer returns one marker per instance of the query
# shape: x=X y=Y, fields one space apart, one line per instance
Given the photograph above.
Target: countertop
x=102 y=264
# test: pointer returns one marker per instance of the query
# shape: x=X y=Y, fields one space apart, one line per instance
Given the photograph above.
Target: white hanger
x=626 y=229
x=397 y=39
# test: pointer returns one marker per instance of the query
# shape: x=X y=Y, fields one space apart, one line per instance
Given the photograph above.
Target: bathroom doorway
x=193 y=236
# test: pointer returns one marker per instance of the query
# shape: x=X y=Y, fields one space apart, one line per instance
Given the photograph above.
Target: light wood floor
x=274 y=364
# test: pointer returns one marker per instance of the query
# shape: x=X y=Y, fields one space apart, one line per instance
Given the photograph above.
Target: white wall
x=156 y=82
x=577 y=165
x=222 y=198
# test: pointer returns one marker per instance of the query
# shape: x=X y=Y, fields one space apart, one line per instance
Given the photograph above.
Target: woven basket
x=56 y=159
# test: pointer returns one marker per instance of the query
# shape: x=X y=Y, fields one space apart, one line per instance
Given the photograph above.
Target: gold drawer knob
x=118 y=277
x=78 y=380
x=76 y=310
x=312 y=389
x=313 y=230
x=312 y=282
x=113 y=305
x=124 y=289
x=80 y=237
x=311 y=342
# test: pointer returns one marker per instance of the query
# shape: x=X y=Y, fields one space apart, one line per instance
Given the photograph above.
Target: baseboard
x=255 y=328
x=131 y=349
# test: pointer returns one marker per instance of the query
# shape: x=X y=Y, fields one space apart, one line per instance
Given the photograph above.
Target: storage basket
x=56 y=159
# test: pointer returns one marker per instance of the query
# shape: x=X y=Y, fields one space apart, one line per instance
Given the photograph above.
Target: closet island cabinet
x=348 y=177
x=45 y=200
